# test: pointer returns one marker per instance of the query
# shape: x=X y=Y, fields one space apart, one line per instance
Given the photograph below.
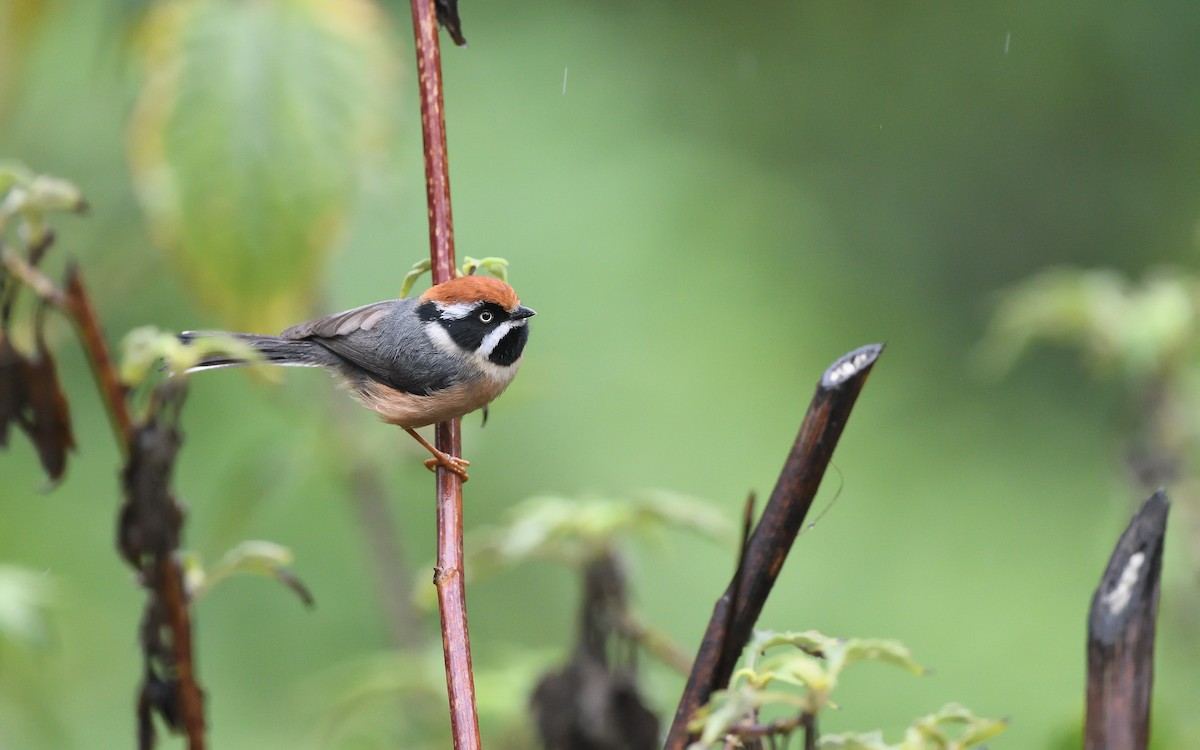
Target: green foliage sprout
x=574 y=531
x=815 y=662
x=255 y=557
x=1138 y=329
x=31 y=196
x=497 y=267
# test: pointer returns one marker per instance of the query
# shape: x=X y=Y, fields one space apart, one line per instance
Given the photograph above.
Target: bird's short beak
x=521 y=313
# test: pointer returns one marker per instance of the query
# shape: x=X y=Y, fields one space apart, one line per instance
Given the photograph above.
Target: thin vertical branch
x=456 y=645
x=169 y=582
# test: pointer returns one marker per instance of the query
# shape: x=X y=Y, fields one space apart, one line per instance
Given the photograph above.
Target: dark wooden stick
x=1121 y=627
x=737 y=610
x=456 y=644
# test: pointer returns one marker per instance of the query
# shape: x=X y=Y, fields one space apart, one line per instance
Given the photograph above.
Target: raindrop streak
x=1007 y=39
x=565 y=75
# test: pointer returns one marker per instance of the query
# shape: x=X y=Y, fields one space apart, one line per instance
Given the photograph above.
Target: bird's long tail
x=272 y=350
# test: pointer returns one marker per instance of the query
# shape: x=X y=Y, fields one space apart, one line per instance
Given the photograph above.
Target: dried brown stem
x=167 y=579
x=456 y=645
x=169 y=583
x=738 y=608
x=91 y=335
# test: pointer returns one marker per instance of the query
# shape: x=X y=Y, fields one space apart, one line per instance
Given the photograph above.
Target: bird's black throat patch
x=510 y=347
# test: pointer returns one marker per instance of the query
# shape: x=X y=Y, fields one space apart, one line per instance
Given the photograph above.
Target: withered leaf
x=151 y=518
x=12 y=390
x=447 y=16
x=49 y=418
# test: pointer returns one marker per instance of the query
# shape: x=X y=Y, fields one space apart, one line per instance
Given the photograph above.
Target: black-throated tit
x=414 y=361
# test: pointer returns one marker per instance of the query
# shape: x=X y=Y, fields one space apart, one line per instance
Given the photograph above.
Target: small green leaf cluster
x=254 y=557
x=26 y=599
x=1137 y=329
x=815 y=662
x=574 y=531
x=30 y=197
x=954 y=727
x=497 y=267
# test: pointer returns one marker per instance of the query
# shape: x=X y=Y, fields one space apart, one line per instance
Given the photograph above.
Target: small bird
x=414 y=361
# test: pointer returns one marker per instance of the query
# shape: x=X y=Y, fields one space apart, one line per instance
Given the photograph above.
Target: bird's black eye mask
x=468 y=331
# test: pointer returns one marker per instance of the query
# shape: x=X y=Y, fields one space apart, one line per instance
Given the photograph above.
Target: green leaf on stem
x=252 y=557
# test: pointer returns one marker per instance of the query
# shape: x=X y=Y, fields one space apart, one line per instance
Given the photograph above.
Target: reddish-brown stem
x=79 y=307
x=456 y=645
x=169 y=583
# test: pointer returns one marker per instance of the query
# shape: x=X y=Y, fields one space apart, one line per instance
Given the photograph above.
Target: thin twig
x=91 y=335
x=456 y=645
x=737 y=610
x=169 y=589
x=39 y=282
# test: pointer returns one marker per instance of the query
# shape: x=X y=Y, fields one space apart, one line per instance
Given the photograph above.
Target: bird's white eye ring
x=485 y=317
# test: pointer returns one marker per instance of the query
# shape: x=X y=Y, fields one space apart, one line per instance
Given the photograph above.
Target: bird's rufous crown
x=473 y=289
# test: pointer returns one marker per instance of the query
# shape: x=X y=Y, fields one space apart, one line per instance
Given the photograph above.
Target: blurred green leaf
x=25 y=601
x=253 y=122
x=31 y=196
x=254 y=557
x=575 y=531
x=953 y=727
x=1137 y=329
x=346 y=697
x=20 y=21
x=854 y=741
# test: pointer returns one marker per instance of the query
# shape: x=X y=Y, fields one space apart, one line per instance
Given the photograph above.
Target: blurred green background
x=706 y=204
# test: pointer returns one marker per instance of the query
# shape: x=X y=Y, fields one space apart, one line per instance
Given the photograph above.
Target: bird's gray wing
x=366 y=338
x=344 y=323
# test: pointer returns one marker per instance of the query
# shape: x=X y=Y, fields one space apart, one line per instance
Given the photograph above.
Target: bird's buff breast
x=408 y=410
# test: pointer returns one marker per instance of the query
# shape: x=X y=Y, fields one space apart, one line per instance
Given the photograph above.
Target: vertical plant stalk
x=737 y=610
x=170 y=592
x=448 y=577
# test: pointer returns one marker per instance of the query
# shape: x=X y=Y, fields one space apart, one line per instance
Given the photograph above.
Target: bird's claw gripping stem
x=440 y=458
x=451 y=463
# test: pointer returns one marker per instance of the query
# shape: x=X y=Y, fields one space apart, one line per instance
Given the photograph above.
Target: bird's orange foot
x=451 y=463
